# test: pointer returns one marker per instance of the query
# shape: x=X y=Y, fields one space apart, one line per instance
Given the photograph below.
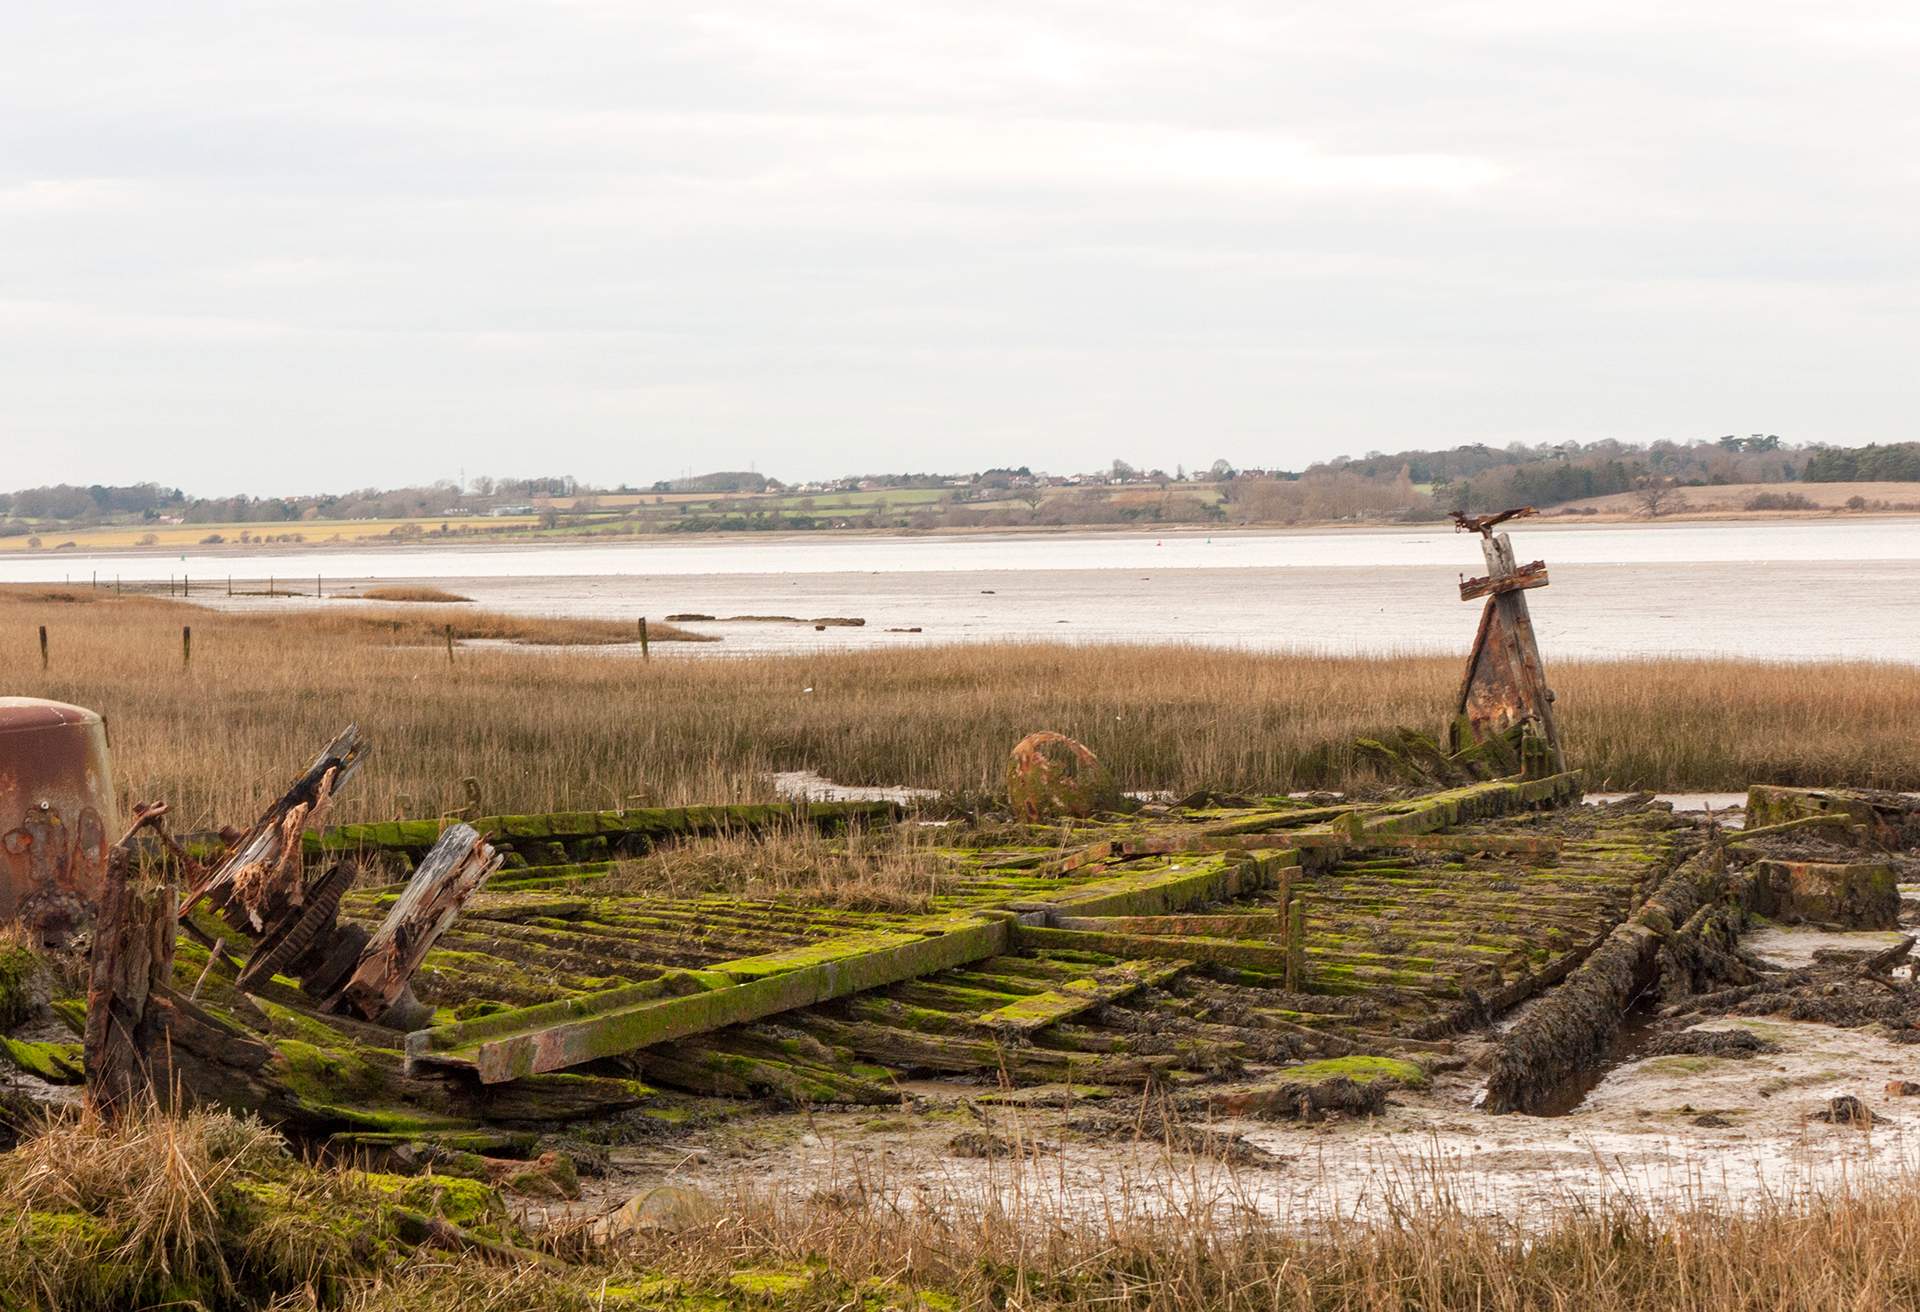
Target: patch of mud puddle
x=1665 y=1131
x=811 y=786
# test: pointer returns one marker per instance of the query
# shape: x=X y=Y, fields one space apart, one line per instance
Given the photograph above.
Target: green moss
x=19 y=969
x=1361 y=1070
x=56 y=1063
x=467 y=1203
x=771 y=1284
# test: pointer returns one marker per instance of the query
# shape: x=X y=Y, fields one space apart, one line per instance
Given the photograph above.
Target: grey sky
x=282 y=246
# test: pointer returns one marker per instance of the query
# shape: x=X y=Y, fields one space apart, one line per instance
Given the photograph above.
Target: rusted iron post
x=1506 y=681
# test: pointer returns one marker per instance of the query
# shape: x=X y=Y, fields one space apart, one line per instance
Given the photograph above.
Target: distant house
x=499 y=511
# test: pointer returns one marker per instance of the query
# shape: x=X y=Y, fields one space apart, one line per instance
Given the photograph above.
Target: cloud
x=832 y=235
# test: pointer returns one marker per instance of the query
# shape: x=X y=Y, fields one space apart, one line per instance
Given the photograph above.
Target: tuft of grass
x=204 y=1209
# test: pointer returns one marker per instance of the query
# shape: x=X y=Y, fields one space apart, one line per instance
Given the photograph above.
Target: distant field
x=826 y=503
x=1734 y=496
x=175 y=536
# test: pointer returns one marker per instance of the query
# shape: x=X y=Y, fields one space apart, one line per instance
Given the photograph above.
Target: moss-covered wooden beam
x=557 y=1035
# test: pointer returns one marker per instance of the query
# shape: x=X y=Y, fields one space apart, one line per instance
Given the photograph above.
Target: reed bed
x=893 y=868
x=438 y=596
x=578 y=727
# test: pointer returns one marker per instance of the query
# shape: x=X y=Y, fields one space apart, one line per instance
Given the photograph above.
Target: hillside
x=1735 y=497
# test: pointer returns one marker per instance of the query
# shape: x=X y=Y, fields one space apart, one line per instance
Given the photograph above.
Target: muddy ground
x=1664 y=1130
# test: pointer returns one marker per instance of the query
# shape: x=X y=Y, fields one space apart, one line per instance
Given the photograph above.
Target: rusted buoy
x=58 y=815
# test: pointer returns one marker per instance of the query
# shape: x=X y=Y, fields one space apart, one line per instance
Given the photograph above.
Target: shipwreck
x=470 y=984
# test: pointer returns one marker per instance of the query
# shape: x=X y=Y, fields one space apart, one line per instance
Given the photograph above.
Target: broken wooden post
x=1296 y=975
x=260 y=876
x=1283 y=914
x=451 y=872
x=127 y=1058
x=1506 y=681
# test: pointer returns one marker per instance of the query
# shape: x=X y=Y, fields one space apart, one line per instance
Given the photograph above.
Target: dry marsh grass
x=438 y=595
x=558 y=729
x=431 y=626
x=897 y=868
x=210 y=1211
x=1851 y=1250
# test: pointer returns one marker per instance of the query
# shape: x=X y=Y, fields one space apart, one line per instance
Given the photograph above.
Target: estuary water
x=1791 y=590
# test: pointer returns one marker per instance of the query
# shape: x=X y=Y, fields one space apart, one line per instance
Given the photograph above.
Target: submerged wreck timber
x=478 y=985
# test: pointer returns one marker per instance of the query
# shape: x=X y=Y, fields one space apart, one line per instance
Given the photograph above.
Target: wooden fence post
x=43 y=649
x=645 y=655
x=449 y=644
x=186 y=645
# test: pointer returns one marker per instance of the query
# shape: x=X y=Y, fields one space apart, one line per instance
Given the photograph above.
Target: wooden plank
x=1075 y=997
x=1255 y=925
x=1188 y=948
x=1157 y=892
x=1532 y=575
x=556 y=1035
x=1497 y=844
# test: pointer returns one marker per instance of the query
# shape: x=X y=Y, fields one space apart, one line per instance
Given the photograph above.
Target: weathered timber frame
x=1506 y=681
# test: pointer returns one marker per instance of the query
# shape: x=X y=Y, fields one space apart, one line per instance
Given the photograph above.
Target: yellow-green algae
x=1361 y=1070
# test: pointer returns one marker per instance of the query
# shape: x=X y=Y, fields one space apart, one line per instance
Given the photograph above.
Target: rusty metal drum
x=58 y=815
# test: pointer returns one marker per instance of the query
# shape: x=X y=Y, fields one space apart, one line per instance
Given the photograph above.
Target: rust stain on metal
x=58 y=814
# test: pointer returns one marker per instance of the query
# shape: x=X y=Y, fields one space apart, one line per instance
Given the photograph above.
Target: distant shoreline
x=1547 y=520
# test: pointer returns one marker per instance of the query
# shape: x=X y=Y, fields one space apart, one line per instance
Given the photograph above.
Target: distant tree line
x=1897 y=462
x=1413 y=485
